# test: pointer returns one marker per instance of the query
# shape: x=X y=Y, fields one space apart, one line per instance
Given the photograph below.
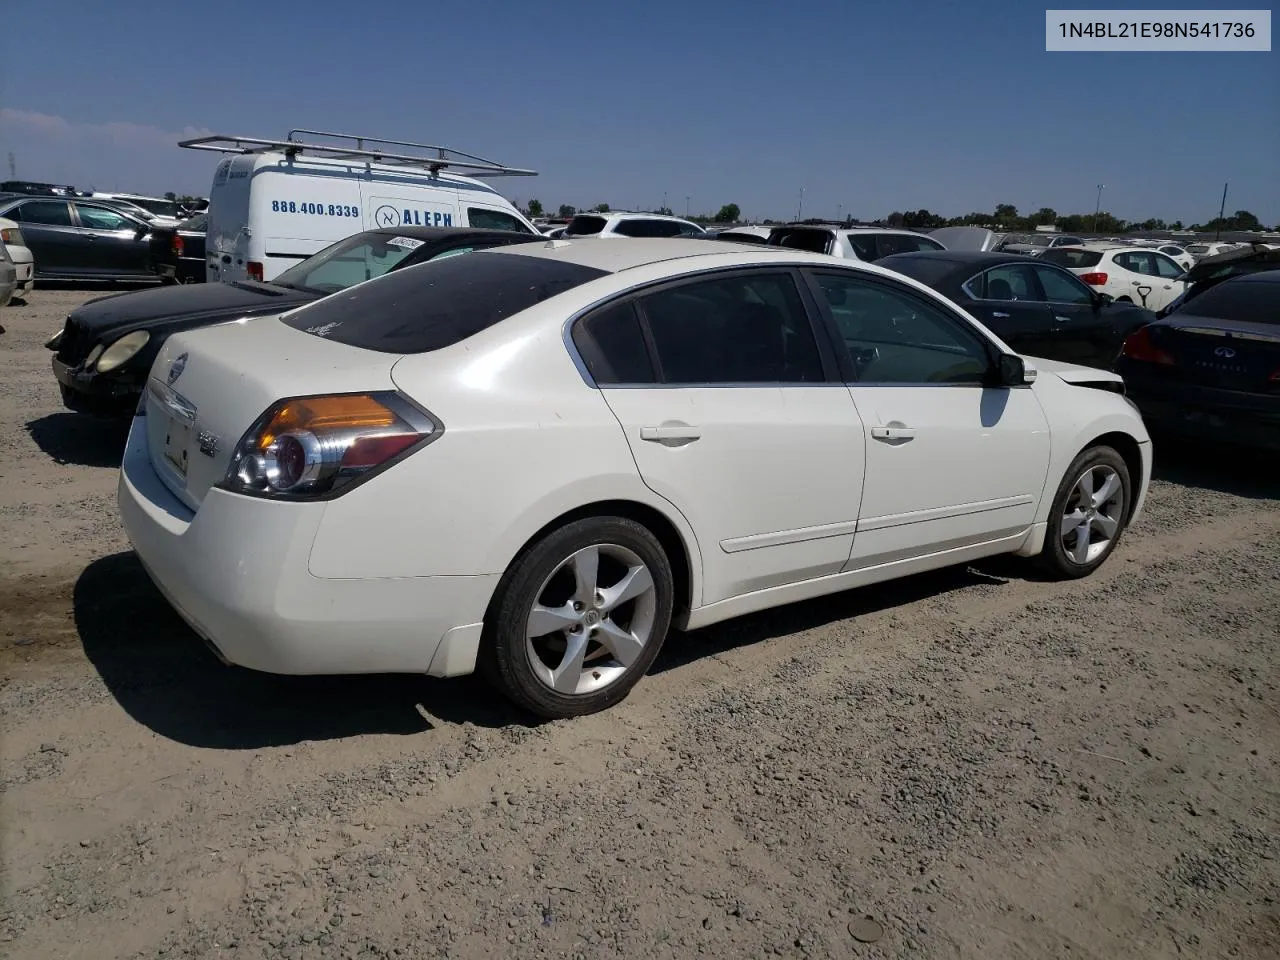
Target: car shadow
x=1254 y=474
x=163 y=675
x=81 y=438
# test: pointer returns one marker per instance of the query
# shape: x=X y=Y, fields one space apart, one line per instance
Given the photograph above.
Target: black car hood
x=186 y=305
x=1232 y=262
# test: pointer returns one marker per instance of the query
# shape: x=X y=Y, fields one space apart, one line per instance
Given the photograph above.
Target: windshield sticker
x=407 y=242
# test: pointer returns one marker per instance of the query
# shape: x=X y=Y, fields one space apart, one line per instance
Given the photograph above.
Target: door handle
x=999 y=313
x=671 y=434
x=893 y=433
x=1061 y=319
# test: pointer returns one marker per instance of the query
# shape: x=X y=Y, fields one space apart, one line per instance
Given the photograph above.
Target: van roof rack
x=359 y=148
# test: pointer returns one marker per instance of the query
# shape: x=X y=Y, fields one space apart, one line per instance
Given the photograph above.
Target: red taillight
x=1138 y=346
x=1094 y=279
x=254 y=269
x=1275 y=377
x=178 y=245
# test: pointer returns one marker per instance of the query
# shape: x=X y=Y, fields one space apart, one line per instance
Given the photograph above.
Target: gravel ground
x=970 y=764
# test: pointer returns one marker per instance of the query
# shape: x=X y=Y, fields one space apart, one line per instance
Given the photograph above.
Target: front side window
x=53 y=213
x=1062 y=287
x=1166 y=268
x=893 y=336
x=1009 y=281
x=100 y=218
x=485 y=219
x=751 y=328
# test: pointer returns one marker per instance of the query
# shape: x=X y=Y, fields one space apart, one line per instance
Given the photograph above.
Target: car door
x=952 y=462
x=50 y=233
x=1083 y=331
x=1140 y=283
x=1168 y=286
x=737 y=421
x=117 y=245
x=1008 y=301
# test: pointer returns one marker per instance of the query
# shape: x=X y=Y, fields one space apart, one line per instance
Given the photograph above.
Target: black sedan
x=75 y=239
x=106 y=347
x=1210 y=368
x=177 y=253
x=1038 y=308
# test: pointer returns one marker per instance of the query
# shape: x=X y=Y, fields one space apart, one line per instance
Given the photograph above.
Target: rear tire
x=1088 y=515
x=579 y=617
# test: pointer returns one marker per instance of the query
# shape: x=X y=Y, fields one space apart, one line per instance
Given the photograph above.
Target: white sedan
x=537 y=460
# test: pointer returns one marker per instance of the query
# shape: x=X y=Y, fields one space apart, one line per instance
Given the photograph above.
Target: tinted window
x=928 y=270
x=1067 y=241
x=1010 y=281
x=864 y=245
x=436 y=304
x=197 y=224
x=891 y=243
x=55 y=213
x=1062 y=287
x=1073 y=259
x=1167 y=268
x=99 y=218
x=648 y=228
x=612 y=346
x=584 y=226
x=1250 y=301
x=814 y=241
x=892 y=336
x=742 y=329
x=1172 y=251
x=163 y=208
x=494 y=220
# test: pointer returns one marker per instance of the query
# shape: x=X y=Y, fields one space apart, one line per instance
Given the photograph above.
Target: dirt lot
x=984 y=765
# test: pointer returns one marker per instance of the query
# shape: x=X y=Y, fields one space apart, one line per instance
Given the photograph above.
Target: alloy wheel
x=1093 y=514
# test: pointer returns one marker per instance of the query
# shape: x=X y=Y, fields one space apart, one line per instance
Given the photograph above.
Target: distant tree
x=1005 y=213
x=921 y=220
x=664 y=211
x=1152 y=224
x=535 y=208
x=567 y=211
x=729 y=213
x=600 y=208
x=897 y=220
x=1044 y=217
x=171 y=196
x=1176 y=225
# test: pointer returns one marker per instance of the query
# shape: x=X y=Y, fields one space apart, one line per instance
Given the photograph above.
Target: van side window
x=483 y=219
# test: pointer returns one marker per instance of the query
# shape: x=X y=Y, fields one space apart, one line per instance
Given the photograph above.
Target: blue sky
x=871 y=108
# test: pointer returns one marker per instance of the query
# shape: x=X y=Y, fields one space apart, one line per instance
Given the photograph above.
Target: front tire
x=579 y=617
x=1089 y=514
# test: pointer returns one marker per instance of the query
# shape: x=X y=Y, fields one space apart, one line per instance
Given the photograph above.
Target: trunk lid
x=1227 y=354
x=208 y=386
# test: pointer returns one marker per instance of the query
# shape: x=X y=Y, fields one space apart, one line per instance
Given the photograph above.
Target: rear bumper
x=1208 y=413
x=236 y=571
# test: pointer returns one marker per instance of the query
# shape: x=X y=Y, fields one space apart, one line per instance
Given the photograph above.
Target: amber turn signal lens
x=322 y=414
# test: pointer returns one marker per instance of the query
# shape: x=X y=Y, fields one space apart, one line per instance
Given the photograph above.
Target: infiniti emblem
x=175 y=371
x=1225 y=352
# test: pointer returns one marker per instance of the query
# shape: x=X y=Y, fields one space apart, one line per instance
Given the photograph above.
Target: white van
x=276 y=202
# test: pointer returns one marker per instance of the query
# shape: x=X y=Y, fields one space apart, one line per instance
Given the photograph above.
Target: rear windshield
x=814 y=241
x=928 y=270
x=1250 y=301
x=197 y=224
x=585 y=226
x=1071 y=258
x=356 y=259
x=436 y=304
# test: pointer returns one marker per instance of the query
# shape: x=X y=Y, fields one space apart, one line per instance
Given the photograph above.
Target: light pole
x=1096 y=208
x=686 y=206
x=839 y=210
x=800 y=207
x=1222 y=210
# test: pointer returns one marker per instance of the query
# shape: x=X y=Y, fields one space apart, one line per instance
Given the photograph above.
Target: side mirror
x=1015 y=372
x=1102 y=299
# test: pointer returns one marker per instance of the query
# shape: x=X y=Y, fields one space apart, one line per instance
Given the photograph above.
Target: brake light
x=254 y=269
x=178 y=245
x=315 y=447
x=1094 y=279
x=1138 y=346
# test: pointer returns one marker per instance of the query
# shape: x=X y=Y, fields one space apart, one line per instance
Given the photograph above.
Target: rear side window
x=436 y=304
x=54 y=213
x=864 y=245
x=814 y=241
x=649 y=228
x=751 y=328
x=891 y=243
x=584 y=226
x=484 y=219
x=612 y=346
x=1072 y=259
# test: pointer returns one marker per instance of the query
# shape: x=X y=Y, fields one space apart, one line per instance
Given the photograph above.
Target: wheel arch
x=1131 y=453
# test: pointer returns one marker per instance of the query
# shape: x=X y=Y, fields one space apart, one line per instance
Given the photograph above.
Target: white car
x=536 y=460
x=24 y=261
x=1202 y=250
x=867 y=244
x=620 y=224
x=1147 y=278
x=1177 y=254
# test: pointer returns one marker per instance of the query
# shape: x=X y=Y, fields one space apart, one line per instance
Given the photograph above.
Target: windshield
x=1072 y=259
x=161 y=208
x=348 y=262
x=427 y=306
x=197 y=224
x=1246 y=300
